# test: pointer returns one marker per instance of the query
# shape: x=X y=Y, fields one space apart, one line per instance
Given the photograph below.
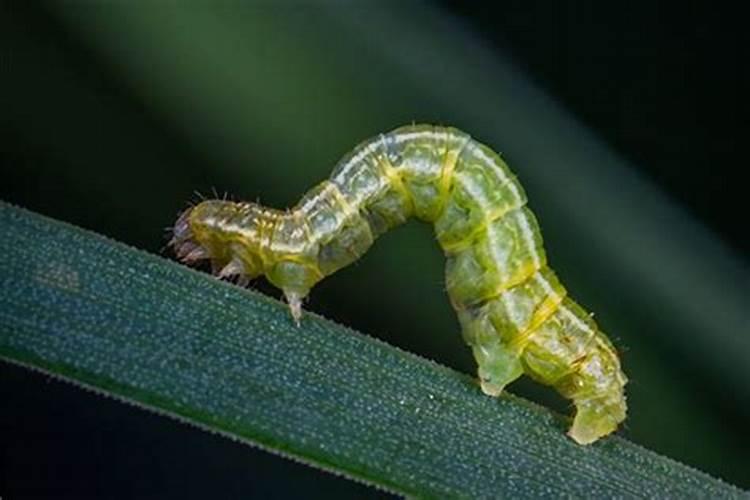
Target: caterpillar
x=514 y=313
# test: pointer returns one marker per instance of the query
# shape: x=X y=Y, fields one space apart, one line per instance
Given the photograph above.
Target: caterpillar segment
x=515 y=314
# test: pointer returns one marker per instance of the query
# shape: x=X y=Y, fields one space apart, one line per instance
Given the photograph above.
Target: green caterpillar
x=514 y=312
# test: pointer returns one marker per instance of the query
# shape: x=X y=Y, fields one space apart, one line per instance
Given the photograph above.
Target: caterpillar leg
x=569 y=353
x=497 y=364
x=595 y=418
x=498 y=367
x=598 y=397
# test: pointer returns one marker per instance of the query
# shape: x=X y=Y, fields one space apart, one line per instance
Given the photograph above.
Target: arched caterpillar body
x=515 y=314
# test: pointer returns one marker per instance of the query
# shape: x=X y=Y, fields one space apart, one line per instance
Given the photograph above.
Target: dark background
x=90 y=137
x=663 y=83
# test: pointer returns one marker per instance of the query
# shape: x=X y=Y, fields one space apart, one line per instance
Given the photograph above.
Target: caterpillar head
x=244 y=241
x=222 y=232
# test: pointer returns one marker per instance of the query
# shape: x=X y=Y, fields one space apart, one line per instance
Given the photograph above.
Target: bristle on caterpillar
x=514 y=313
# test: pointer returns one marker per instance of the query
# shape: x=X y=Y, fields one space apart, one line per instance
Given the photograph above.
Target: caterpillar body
x=514 y=313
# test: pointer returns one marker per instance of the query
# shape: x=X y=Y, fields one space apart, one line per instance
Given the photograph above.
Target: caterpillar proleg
x=515 y=314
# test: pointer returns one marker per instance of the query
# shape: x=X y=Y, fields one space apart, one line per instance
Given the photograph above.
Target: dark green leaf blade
x=159 y=335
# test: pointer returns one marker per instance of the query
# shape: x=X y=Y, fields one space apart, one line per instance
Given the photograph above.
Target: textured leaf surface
x=150 y=332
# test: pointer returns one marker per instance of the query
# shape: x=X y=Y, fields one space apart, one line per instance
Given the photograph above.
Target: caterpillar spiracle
x=515 y=314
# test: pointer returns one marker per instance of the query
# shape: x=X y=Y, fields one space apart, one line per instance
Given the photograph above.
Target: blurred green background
x=625 y=126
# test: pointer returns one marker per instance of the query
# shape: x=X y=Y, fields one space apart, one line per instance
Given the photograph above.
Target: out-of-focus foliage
x=261 y=100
